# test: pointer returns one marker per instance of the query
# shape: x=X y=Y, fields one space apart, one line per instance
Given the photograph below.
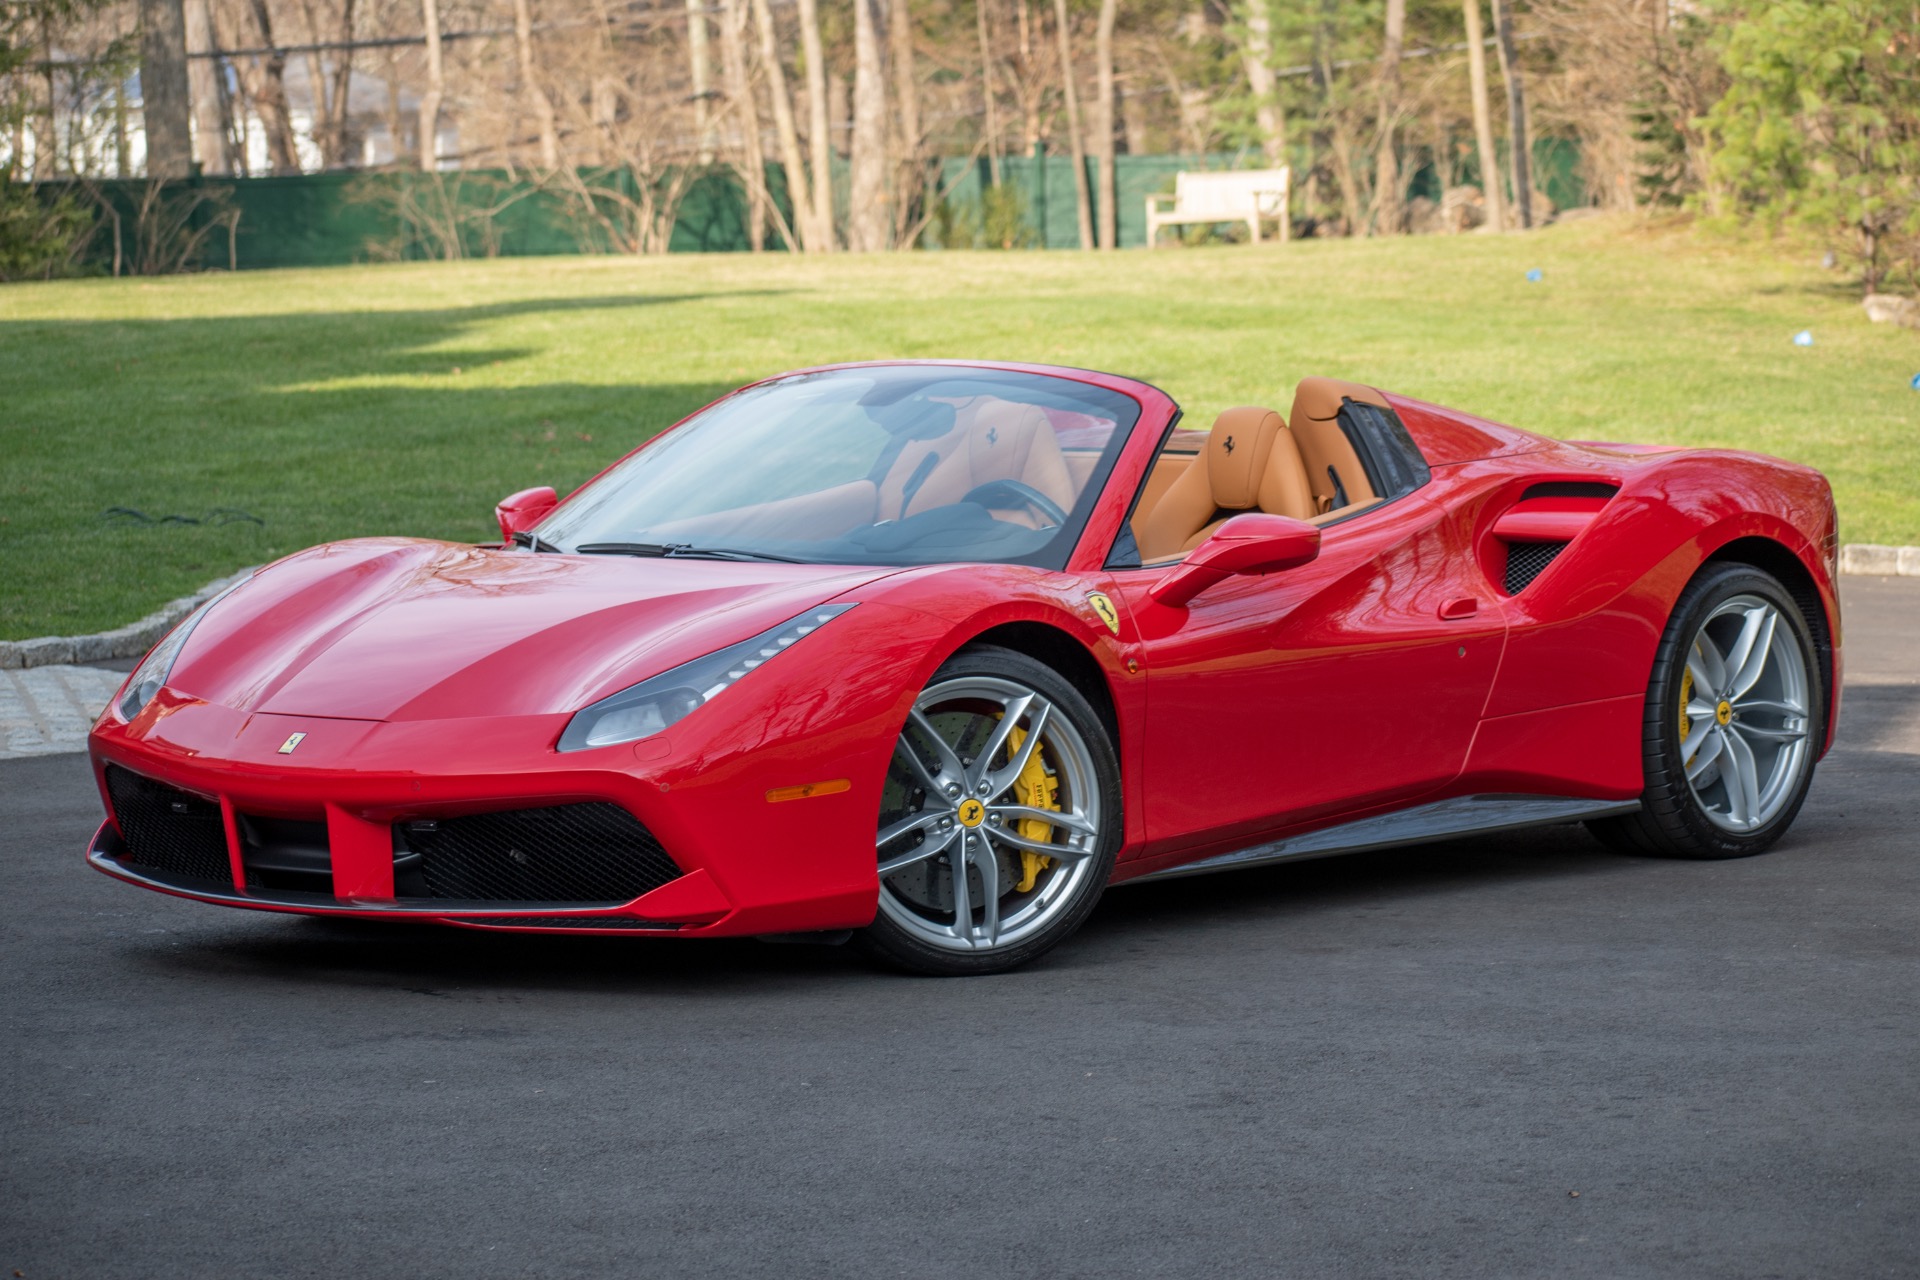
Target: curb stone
x=130 y=641
x=134 y=639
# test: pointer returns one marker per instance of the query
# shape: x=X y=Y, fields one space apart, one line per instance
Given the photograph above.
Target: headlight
x=158 y=664
x=660 y=701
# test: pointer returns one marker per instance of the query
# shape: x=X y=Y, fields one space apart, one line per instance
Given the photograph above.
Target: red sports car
x=932 y=653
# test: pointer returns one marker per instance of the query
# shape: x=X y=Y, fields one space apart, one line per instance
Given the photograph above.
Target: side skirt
x=1464 y=815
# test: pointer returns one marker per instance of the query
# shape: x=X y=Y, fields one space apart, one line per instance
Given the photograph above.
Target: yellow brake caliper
x=1686 y=696
x=1036 y=789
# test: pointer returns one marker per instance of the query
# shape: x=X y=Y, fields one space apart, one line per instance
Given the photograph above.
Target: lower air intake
x=566 y=922
x=584 y=853
x=168 y=830
x=1527 y=560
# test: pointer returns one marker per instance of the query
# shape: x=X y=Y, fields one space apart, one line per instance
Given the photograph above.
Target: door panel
x=1299 y=696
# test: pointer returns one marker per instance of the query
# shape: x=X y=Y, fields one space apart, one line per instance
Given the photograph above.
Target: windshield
x=887 y=465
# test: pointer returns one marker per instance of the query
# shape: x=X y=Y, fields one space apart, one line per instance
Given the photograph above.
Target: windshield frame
x=1060 y=552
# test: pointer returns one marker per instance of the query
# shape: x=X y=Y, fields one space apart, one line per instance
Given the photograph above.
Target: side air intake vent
x=1527 y=560
x=576 y=853
x=168 y=830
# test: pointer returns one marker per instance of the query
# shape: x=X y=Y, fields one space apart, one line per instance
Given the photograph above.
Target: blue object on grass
x=1534 y=276
x=1804 y=338
x=1914 y=382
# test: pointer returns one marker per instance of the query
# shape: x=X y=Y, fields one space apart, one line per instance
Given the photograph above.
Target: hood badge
x=293 y=740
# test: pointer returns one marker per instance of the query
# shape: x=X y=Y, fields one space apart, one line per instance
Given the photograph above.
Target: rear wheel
x=999 y=819
x=1731 y=714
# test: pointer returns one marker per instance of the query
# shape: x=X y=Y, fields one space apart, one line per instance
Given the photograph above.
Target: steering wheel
x=1002 y=494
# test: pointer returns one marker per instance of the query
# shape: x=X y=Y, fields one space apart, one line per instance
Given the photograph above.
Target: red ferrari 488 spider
x=933 y=653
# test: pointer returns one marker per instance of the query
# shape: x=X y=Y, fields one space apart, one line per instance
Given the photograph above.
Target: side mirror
x=524 y=510
x=1252 y=543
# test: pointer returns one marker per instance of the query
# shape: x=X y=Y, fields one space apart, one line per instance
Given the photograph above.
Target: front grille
x=1526 y=561
x=593 y=852
x=286 y=854
x=168 y=830
x=564 y=922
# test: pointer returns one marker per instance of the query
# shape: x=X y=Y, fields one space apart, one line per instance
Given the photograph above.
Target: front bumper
x=745 y=864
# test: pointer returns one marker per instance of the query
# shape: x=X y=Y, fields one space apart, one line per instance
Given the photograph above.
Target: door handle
x=1463 y=607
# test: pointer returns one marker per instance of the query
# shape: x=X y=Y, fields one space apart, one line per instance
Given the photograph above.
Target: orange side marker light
x=808 y=790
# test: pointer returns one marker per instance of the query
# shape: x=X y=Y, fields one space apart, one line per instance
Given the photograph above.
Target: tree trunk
x=203 y=79
x=1103 y=124
x=745 y=114
x=342 y=85
x=986 y=92
x=1257 y=58
x=436 y=89
x=906 y=92
x=1387 y=203
x=1483 y=117
x=819 y=125
x=1083 y=199
x=537 y=100
x=700 y=71
x=799 y=190
x=396 y=130
x=166 y=101
x=869 y=220
x=1516 y=112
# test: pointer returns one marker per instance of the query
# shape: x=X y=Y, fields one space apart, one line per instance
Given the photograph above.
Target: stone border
x=1866 y=558
x=134 y=639
x=130 y=641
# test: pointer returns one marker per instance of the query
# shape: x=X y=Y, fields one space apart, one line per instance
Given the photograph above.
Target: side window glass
x=1392 y=461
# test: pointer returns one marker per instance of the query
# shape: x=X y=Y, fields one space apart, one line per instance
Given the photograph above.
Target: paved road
x=1394 y=1064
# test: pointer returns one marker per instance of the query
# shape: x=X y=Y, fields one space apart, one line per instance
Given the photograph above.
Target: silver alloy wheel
x=1744 y=714
x=950 y=860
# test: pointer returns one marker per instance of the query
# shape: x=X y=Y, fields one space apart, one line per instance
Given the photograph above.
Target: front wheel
x=1731 y=717
x=999 y=820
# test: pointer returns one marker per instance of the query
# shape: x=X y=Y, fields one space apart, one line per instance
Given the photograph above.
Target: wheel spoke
x=950 y=766
x=1709 y=752
x=1016 y=711
x=1054 y=817
x=1768 y=706
x=930 y=849
x=1743 y=781
x=962 y=895
x=989 y=864
x=907 y=826
x=1749 y=658
x=1753 y=732
x=999 y=780
x=1065 y=852
x=1709 y=669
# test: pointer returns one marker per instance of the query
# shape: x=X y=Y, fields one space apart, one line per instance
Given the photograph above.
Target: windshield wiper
x=531 y=541
x=681 y=550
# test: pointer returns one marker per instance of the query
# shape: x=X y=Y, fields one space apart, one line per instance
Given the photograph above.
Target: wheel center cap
x=1724 y=712
x=971 y=812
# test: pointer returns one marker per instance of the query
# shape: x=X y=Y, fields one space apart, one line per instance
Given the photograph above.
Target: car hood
x=402 y=629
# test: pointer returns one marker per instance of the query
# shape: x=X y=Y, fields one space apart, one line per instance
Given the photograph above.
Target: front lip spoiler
x=100 y=856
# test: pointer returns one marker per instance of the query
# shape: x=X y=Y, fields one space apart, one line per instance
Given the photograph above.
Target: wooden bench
x=1233 y=195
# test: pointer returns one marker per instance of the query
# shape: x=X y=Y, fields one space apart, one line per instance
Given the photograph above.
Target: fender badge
x=1104 y=607
x=293 y=740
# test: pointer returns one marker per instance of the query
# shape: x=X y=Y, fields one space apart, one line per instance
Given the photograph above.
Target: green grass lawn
x=408 y=399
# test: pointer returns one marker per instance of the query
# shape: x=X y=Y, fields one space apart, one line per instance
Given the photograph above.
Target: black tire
x=888 y=942
x=1672 y=822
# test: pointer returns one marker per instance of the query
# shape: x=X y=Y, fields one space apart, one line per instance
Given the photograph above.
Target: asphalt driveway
x=1512 y=1056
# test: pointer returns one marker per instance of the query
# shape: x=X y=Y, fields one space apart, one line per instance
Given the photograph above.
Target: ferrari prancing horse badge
x=1104 y=607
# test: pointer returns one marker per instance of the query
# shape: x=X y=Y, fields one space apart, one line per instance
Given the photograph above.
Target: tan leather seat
x=1323 y=445
x=992 y=440
x=1249 y=462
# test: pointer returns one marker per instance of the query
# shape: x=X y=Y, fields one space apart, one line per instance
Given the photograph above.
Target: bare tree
x=1483 y=116
x=987 y=94
x=1256 y=58
x=744 y=113
x=700 y=71
x=799 y=189
x=436 y=88
x=1517 y=156
x=266 y=83
x=819 y=126
x=166 y=101
x=1103 y=124
x=1082 y=198
x=869 y=218
x=530 y=86
x=906 y=93
x=1387 y=205
x=203 y=79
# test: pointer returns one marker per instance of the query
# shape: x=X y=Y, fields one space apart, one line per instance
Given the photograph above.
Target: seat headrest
x=1319 y=400
x=1237 y=455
